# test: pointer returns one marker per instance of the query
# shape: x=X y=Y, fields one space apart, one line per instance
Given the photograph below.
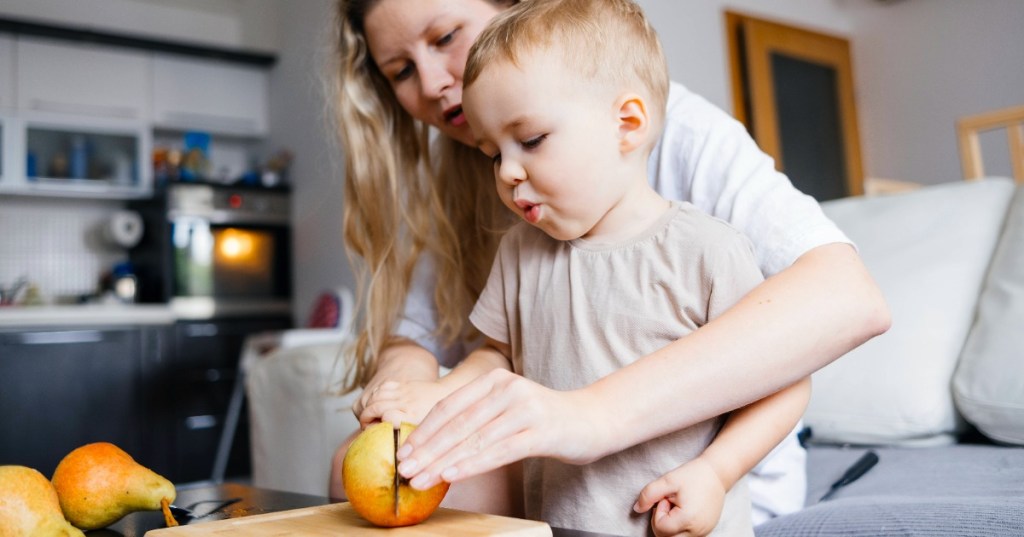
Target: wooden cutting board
x=341 y=519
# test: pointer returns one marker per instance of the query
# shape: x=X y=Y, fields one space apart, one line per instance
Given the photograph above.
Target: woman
x=425 y=222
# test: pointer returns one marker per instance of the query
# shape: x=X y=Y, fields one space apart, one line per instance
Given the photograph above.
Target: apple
x=370 y=479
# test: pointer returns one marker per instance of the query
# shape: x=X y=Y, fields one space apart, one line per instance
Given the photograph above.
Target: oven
x=217 y=251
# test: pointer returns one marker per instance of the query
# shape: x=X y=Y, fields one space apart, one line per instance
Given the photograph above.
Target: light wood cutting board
x=341 y=519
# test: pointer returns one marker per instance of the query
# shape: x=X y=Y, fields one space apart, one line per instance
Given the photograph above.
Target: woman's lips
x=455 y=117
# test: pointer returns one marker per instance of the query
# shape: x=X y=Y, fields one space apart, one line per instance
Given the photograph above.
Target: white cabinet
x=68 y=155
x=82 y=79
x=209 y=95
x=6 y=72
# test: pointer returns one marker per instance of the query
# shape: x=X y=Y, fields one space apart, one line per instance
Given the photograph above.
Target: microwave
x=213 y=251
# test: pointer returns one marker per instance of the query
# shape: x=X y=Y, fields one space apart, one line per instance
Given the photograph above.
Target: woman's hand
x=495 y=420
x=688 y=500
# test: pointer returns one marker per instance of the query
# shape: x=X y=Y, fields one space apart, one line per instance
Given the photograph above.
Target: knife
x=853 y=473
x=398 y=476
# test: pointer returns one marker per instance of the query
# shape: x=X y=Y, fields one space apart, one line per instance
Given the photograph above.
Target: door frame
x=751 y=42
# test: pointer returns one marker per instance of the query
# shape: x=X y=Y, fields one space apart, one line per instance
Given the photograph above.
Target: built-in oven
x=217 y=251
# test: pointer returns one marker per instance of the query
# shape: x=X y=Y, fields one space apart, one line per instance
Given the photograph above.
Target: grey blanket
x=969 y=490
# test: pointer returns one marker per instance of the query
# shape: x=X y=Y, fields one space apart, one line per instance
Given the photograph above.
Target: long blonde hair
x=403 y=201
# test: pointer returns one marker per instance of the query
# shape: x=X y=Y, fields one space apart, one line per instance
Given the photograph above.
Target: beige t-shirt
x=575 y=311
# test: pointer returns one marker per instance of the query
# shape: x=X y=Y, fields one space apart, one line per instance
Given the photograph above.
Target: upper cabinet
x=82 y=79
x=6 y=72
x=209 y=95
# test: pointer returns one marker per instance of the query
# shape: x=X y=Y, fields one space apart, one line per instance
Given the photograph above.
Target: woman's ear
x=634 y=122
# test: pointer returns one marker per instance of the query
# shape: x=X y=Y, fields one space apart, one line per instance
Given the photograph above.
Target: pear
x=29 y=505
x=372 y=483
x=99 y=483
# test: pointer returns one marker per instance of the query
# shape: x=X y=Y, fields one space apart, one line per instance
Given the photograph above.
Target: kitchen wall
x=919 y=64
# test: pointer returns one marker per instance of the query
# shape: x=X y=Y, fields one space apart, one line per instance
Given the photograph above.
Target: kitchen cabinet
x=6 y=73
x=82 y=79
x=66 y=387
x=199 y=387
x=209 y=95
x=69 y=155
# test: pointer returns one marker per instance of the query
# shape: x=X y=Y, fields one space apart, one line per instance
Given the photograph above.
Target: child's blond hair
x=608 y=41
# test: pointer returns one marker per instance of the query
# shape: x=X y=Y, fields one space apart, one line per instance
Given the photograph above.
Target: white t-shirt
x=707 y=158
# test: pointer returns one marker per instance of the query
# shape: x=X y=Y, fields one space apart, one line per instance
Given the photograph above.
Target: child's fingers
x=670 y=520
x=656 y=490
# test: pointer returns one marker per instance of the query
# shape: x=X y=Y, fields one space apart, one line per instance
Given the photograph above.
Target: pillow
x=928 y=250
x=989 y=382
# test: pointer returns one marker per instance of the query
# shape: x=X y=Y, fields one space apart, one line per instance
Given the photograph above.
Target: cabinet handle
x=201 y=330
x=211 y=121
x=61 y=338
x=197 y=423
x=44 y=105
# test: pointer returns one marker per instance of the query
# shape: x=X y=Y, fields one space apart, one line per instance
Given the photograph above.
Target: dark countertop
x=254 y=501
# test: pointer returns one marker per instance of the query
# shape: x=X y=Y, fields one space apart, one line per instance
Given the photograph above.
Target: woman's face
x=421 y=47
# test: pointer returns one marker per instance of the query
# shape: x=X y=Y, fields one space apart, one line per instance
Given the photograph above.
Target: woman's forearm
x=785 y=329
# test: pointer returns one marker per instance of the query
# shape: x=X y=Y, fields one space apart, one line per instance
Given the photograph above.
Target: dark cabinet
x=199 y=387
x=159 y=392
x=62 y=388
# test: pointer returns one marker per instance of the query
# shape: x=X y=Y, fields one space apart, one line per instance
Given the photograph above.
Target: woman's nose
x=435 y=77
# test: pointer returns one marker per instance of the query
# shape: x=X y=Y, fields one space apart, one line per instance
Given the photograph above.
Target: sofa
x=939 y=398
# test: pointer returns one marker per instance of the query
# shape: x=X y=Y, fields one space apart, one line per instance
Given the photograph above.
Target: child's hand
x=689 y=500
x=395 y=402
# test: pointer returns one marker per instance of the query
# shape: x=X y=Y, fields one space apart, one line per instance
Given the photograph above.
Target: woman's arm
x=794 y=323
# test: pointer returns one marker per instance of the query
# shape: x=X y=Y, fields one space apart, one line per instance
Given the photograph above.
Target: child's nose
x=511 y=172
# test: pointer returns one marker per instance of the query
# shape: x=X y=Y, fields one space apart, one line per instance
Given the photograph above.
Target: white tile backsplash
x=55 y=243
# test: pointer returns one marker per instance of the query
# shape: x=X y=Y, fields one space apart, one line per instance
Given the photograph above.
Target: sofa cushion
x=989 y=382
x=928 y=250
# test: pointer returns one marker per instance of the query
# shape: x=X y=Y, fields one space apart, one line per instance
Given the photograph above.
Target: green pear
x=29 y=505
x=98 y=484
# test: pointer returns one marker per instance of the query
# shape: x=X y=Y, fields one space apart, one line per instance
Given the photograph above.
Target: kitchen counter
x=85 y=315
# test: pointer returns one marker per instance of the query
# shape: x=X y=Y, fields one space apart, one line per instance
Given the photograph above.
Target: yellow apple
x=369 y=476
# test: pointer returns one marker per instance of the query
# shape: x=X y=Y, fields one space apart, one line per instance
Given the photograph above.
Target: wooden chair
x=968 y=128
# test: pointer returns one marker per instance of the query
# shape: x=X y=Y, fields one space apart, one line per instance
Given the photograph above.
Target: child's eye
x=496 y=159
x=534 y=142
x=447 y=38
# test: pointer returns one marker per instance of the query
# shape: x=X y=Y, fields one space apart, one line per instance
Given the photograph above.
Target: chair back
x=968 y=128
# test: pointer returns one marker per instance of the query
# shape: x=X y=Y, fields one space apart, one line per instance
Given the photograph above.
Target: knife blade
x=397 y=475
x=853 y=473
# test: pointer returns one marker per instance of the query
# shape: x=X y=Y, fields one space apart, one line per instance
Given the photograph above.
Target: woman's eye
x=403 y=74
x=534 y=142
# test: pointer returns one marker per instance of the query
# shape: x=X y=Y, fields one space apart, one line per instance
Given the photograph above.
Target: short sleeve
x=707 y=157
x=491 y=313
x=732 y=268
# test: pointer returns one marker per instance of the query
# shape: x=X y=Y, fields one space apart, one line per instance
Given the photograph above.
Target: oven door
x=232 y=268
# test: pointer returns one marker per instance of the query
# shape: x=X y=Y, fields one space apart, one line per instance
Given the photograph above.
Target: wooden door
x=793 y=88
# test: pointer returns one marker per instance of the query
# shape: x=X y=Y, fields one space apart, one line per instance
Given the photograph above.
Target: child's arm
x=410 y=400
x=690 y=497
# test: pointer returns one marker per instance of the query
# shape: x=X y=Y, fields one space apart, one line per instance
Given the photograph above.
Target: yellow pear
x=372 y=485
x=99 y=483
x=29 y=506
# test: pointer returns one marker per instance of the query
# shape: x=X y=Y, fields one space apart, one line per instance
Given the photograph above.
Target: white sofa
x=950 y=260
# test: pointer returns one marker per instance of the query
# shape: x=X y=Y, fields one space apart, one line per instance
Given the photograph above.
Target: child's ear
x=633 y=120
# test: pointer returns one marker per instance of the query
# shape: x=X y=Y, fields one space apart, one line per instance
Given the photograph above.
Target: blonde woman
x=423 y=220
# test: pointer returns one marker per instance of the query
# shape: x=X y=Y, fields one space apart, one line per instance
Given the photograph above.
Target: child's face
x=555 y=144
